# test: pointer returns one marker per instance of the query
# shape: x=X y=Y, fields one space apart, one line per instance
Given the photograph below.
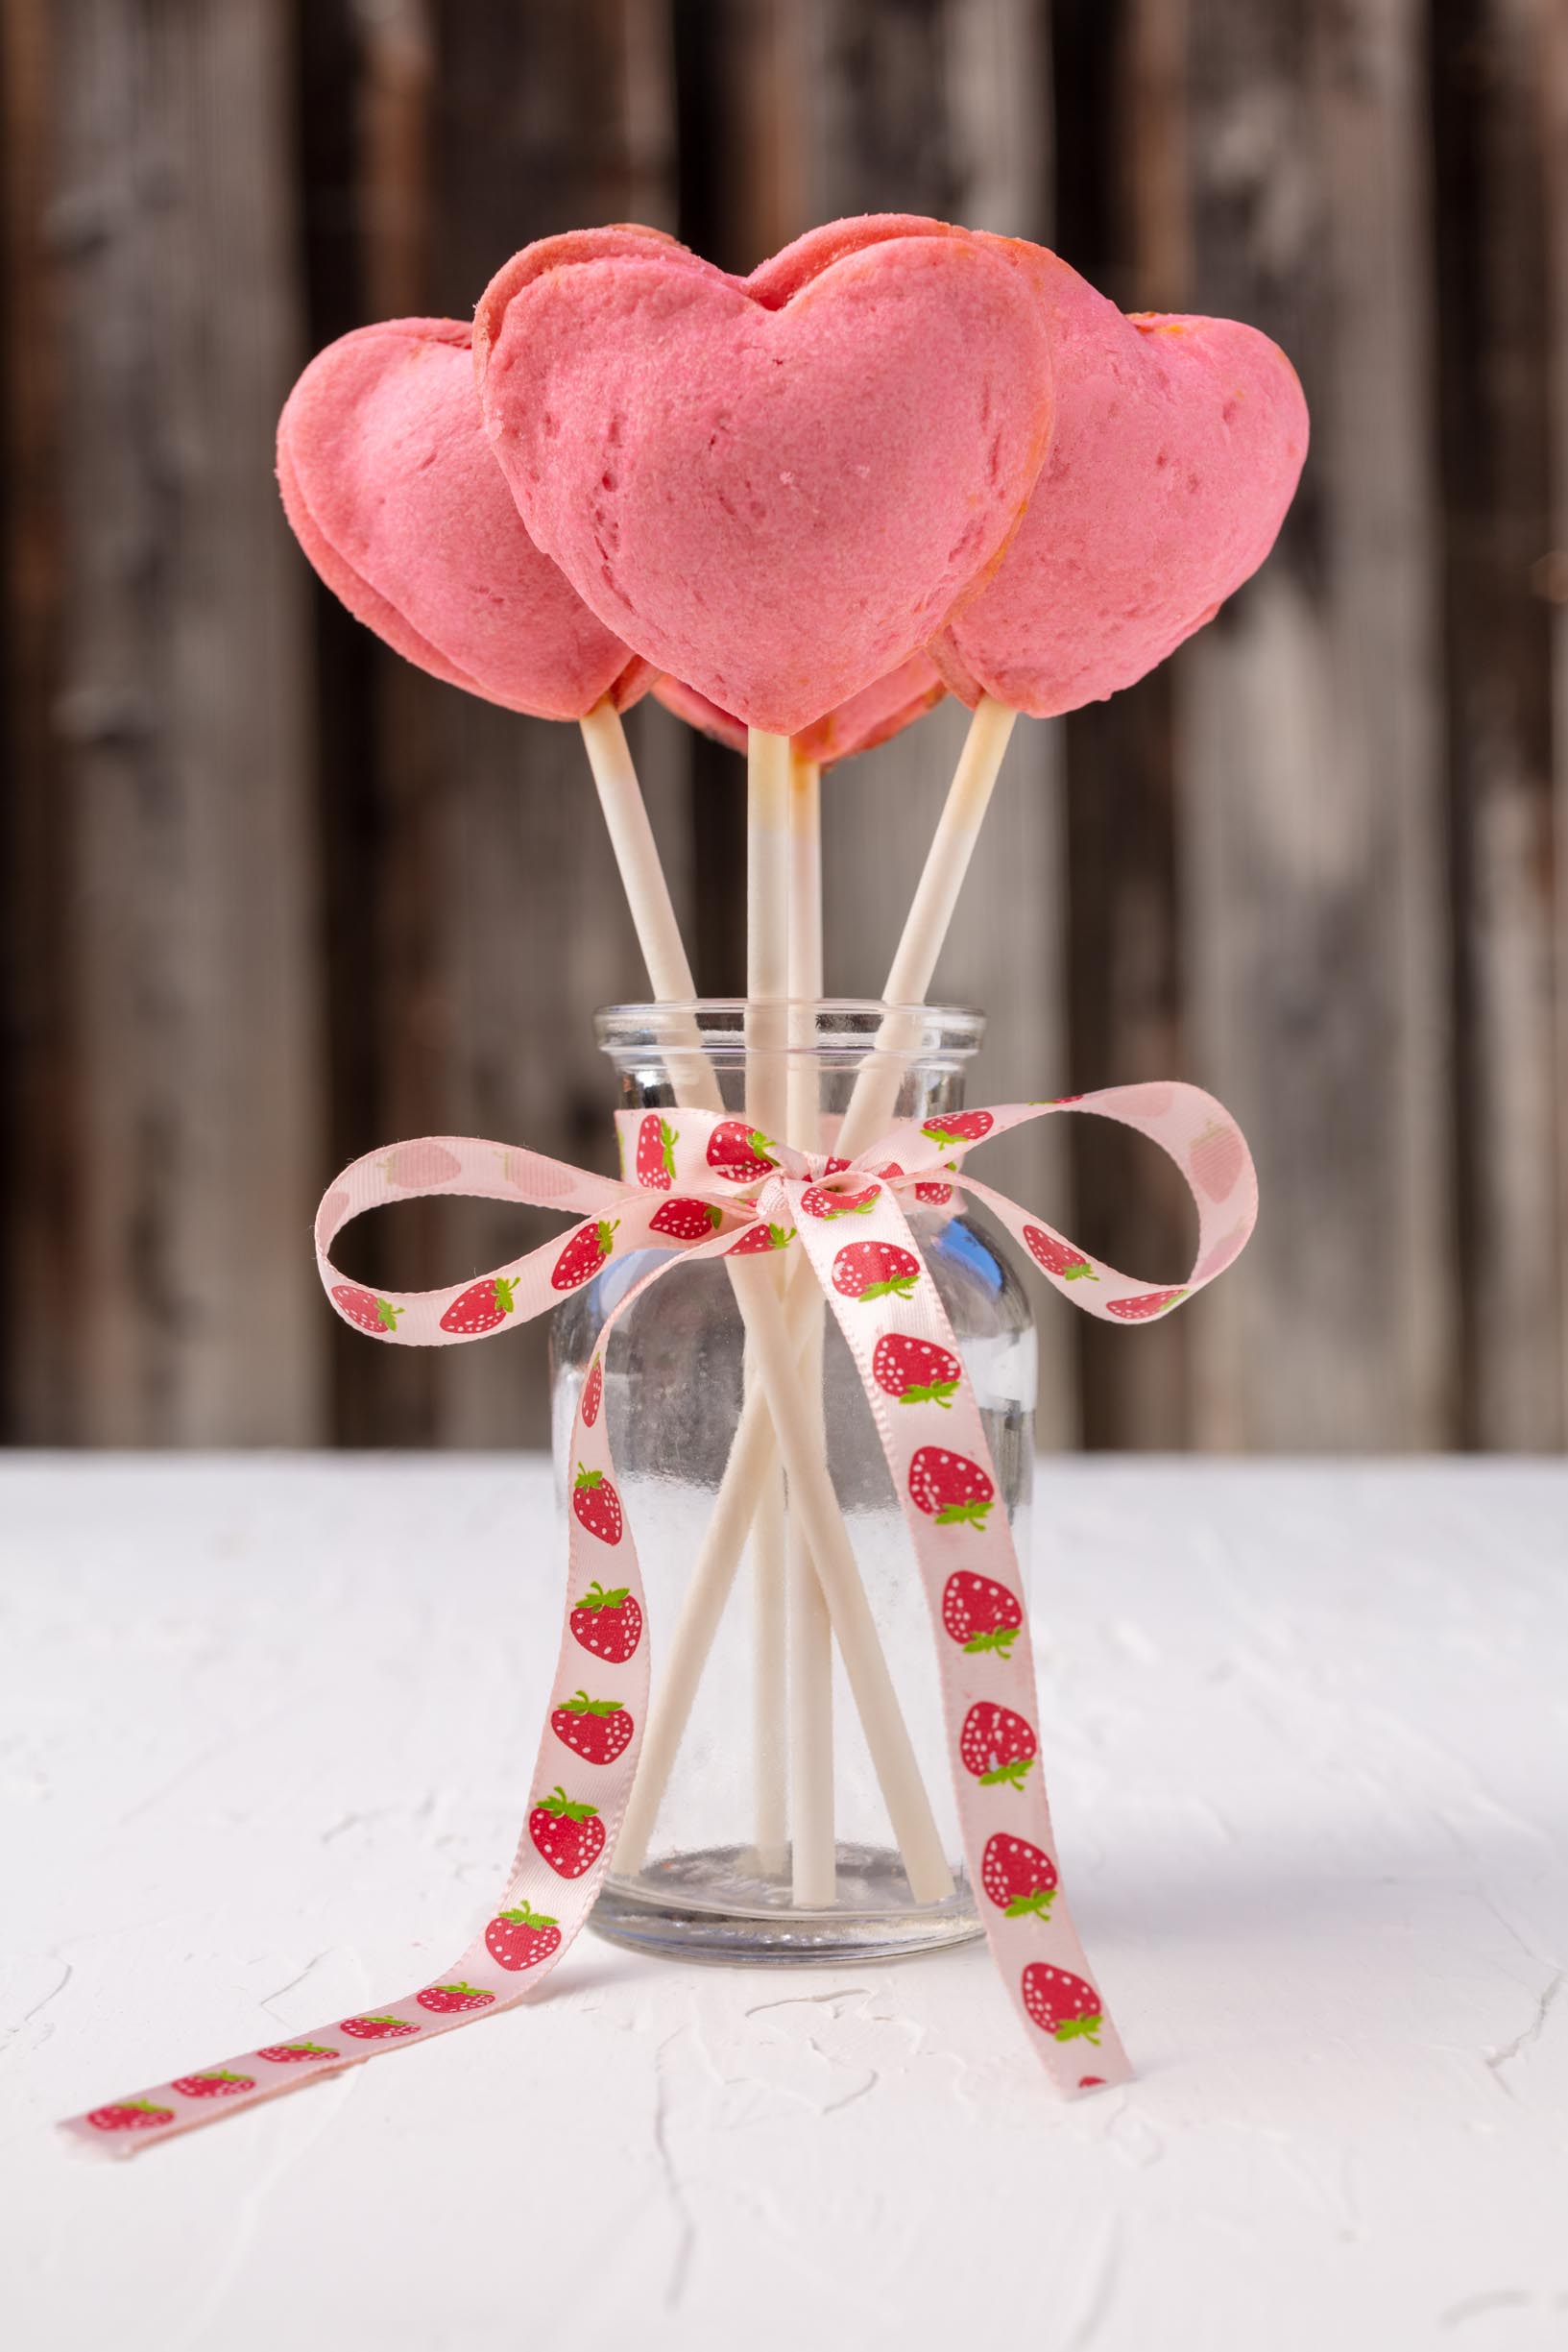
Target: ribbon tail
x=582 y=1780
x=882 y=1293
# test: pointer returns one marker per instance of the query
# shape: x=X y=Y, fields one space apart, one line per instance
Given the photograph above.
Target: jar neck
x=919 y=1055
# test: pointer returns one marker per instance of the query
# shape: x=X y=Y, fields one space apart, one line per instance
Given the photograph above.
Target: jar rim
x=914 y=1032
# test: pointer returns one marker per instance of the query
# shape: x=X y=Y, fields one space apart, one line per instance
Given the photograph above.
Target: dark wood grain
x=268 y=897
x=1488 y=62
x=182 y=757
x=1310 y=747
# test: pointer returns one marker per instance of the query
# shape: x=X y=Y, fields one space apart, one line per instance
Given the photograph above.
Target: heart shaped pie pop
x=1177 y=448
x=776 y=504
x=395 y=495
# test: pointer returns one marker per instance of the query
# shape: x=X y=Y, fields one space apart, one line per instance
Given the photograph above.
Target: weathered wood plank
x=182 y=745
x=544 y=119
x=1121 y=140
x=37 y=1395
x=1310 y=745
x=1552 y=574
x=1488 y=60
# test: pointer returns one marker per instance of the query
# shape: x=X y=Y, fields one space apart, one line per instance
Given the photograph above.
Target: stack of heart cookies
x=901 y=460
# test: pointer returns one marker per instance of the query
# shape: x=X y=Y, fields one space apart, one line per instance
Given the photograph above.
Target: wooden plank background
x=268 y=897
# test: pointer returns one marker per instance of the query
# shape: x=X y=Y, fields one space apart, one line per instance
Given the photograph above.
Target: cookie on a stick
x=778 y=504
x=394 y=493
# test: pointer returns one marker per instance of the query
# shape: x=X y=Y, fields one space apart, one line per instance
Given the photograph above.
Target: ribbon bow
x=713 y=1187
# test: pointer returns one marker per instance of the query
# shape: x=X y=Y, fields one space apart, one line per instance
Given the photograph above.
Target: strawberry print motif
x=129 y=2115
x=594 y=1391
x=521 y=1937
x=1139 y=1310
x=687 y=1221
x=759 y=1239
x=378 y=2027
x=821 y=1200
x=1058 y=1257
x=583 y=1255
x=874 y=1269
x=597 y=1505
x=447 y=1997
x=888 y=1173
x=597 y=1730
x=482 y=1306
x=1216 y=1159
x=568 y=1834
x=416 y=1165
x=934 y=1196
x=656 y=1142
x=1018 y=1877
x=1062 y=2005
x=213 y=2084
x=996 y=1746
x=950 y=1489
x=980 y=1615
x=609 y=1624
x=1152 y=1102
x=1229 y=1246
x=363 y=1307
x=958 y=1126
x=293 y=2053
x=740 y=1152
x=915 y=1372
x=834 y=1167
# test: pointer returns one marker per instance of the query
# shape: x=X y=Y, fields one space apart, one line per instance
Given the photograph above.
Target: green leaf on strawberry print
x=934 y=1392
x=1036 y=1905
x=668 y=1138
x=898 y=1286
x=386 y=1314
x=967 y=1514
x=999 y=1638
x=597 y=1597
x=582 y=1705
x=503 y=1287
x=1013 y=1775
x=565 y=1807
x=1071 y=2027
x=523 y=1915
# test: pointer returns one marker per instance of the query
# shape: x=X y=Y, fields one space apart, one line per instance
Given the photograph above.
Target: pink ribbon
x=708 y=1188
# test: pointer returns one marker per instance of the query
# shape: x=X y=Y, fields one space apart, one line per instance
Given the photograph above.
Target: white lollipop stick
x=871 y=1105
x=768 y=988
x=813 y=1847
x=653 y=917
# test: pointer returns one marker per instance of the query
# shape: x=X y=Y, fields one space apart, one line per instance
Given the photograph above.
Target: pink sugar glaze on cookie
x=1177 y=449
x=395 y=495
x=778 y=504
x=868 y=719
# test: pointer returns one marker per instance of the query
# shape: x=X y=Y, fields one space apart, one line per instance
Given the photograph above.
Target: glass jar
x=713 y=1880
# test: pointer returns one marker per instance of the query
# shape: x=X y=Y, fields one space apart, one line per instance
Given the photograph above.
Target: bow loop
x=699 y=1185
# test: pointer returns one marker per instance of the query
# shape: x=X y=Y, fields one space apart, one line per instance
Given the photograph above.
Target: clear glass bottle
x=673 y=1391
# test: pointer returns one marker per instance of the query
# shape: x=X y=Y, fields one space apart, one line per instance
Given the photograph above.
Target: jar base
x=711 y=1906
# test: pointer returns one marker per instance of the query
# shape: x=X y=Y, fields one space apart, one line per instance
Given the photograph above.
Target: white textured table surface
x=263 y=1756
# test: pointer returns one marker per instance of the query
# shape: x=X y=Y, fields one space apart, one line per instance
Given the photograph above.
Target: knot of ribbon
x=700 y=1185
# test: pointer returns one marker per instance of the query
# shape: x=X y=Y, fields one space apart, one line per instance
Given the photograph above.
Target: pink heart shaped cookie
x=1177 y=448
x=866 y=719
x=395 y=495
x=778 y=505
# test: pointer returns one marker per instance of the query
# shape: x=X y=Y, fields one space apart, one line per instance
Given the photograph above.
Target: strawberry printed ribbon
x=710 y=1188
